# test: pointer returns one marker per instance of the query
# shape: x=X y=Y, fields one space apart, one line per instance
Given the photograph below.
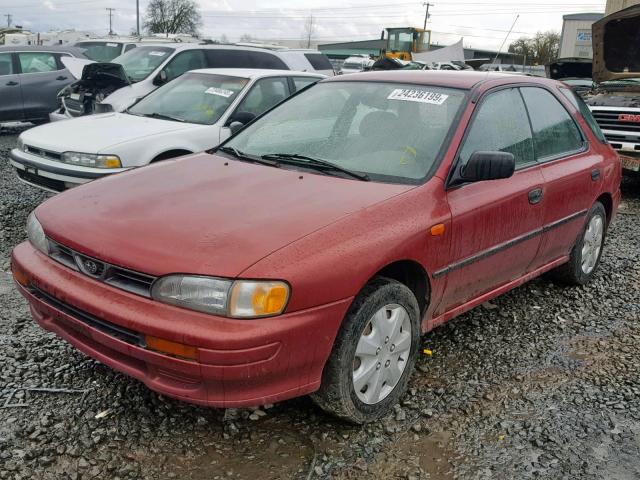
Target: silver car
x=30 y=78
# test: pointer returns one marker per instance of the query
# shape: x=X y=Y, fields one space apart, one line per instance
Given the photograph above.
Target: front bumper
x=52 y=175
x=240 y=362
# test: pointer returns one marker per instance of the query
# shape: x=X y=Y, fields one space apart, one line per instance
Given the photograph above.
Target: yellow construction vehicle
x=402 y=42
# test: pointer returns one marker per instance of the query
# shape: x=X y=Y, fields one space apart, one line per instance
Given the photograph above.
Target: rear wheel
x=373 y=355
x=585 y=255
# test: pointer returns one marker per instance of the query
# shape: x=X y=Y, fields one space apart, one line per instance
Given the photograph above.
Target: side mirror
x=488 y=166
x=241 y=117
x=161 y=78
x=235 y=127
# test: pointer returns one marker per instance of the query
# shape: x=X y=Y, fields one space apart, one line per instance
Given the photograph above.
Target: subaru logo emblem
x=90 y=266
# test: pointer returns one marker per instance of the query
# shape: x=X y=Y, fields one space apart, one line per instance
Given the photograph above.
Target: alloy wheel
x=592 y=244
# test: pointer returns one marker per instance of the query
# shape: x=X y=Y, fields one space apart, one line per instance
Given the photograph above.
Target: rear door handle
x=595 y=174
x=61 y=77
x=11 y=83
x=535 y=196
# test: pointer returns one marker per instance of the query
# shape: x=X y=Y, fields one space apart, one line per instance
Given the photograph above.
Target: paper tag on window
x=112 y=44
x=221 y=92
x=414 y=95
x=158 y=54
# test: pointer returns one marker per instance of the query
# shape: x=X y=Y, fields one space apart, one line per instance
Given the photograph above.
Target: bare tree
x=542 y=49
x=224 y=39
x=309 y=31
x=173 y=16
x=246 y=38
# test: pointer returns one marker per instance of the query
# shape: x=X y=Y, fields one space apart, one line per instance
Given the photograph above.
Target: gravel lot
x=540 y=383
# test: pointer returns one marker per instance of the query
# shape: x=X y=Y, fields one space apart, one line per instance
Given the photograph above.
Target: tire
x=586 y=252
x=380 y=360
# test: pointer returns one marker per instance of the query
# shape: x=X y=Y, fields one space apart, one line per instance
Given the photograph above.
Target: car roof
x=443 y=78
x=256 y=72
x=42 y=48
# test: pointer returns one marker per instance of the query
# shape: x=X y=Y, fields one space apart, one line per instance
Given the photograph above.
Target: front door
x=496 y=225
x=10 y=90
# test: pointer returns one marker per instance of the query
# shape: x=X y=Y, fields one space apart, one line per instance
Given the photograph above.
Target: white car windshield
x=140 y=62
x=193 y=98
x=385 y=131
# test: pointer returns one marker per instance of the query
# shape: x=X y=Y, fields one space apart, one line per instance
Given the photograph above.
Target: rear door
x=571 y=172
x=11 y=107
x=496 y=225
x=42 y=76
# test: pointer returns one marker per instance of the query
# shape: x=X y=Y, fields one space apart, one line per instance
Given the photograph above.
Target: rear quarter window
x=319 y=61
x=582 y=107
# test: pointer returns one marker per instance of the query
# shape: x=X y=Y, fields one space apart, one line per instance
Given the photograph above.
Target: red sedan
x=308 y=253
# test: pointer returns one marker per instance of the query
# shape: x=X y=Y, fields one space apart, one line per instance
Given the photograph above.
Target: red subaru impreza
x=308 y=253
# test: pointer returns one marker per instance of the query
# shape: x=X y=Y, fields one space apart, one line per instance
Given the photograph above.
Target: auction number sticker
x=112 y=44
x=414 y=95
x=157 y=54
x=221 y=92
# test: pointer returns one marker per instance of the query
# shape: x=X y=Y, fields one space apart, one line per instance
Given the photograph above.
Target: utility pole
x=8 y=20
x=110 y=10
x=138 y=17
x=426 y=14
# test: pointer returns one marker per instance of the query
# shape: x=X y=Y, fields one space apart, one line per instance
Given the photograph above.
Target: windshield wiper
x=244 y=156
x=315 y=163
x=162 y=116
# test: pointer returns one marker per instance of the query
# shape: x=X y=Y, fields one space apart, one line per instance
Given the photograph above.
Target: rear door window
x=6 y=64
x=266 y=93
x=184 y=62
x=319 y=61
x=37 y=62
x=555 y=133
x=220 y=58
x=500 y=125
x=578 y=102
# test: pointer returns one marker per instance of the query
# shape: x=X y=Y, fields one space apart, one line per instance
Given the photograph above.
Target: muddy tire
x=373 y=355
x=585 y=255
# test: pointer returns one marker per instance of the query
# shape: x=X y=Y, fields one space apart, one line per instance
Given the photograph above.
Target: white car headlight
x=229 y=298
x=91 y=160
x=36 y=235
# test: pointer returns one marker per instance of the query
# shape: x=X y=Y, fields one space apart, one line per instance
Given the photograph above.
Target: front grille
x=122 y=278
x=121 y=333
x=40 y=152
x=608 y=120
x=45 y=182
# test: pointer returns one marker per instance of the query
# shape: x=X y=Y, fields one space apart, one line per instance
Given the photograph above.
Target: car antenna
x=503 y=42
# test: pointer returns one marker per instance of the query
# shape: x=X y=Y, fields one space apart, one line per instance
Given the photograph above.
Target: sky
x=482 y=23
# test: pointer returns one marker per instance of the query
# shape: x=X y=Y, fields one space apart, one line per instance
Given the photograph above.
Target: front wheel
x=373 y=355
x=585 y=255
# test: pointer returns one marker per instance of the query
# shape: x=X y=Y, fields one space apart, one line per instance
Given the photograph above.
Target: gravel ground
x=540 y=383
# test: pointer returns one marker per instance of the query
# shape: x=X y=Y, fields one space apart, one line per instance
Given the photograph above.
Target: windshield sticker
x=112 y=44
x=422 y=96
x=157 y=54
x=221 y=92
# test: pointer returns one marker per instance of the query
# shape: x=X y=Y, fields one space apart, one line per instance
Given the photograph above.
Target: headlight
x=36 y=234
x=237 y=299
x=91 y=160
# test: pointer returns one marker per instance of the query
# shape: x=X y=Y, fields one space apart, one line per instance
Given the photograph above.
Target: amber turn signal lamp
x=19 y=275
x=171 y=348
x=437 y=229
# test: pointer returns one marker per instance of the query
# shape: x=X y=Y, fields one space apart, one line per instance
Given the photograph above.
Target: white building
x=575 y=40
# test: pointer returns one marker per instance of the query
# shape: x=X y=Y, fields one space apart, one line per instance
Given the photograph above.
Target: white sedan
x=194 y=112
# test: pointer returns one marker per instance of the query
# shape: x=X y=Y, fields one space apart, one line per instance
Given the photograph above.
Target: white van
x=114 y=86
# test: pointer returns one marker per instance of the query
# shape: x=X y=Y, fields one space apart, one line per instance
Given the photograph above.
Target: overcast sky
x=482 y=23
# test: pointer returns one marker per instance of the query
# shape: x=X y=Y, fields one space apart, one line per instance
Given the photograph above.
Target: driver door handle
x=61 y=77
x=535 y=196
x=12 y=83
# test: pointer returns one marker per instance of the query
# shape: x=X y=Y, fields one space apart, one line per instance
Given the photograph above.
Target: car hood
x=90 y=71
x=201 y=214
x=95 y=133
x=616 y=45
x=570 y=68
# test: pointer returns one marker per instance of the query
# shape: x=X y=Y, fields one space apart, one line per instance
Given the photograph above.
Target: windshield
x=140 y=62
x=390 y=132
x=194 y=98
x=101 y=51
